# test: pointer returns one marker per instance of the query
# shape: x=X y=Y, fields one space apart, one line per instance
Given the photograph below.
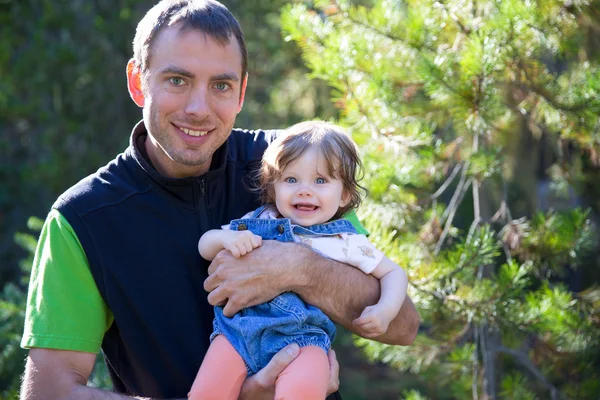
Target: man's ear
x=243 y=92
x=134 y=83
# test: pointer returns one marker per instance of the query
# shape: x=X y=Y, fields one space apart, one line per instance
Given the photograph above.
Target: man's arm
x=61 y=374
x=340 y=291
x=350 y=291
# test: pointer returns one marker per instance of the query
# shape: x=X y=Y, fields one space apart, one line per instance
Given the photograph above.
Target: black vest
x=139 y=231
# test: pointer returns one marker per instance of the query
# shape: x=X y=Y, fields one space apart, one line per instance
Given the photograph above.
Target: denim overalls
x=258 y=332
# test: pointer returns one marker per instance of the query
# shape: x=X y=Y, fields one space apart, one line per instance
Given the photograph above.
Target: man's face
x=193 y=92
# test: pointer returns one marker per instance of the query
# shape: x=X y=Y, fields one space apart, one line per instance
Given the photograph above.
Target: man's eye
x=290 y=180
x=222 y=86
x=320 y=180
x=176 y=81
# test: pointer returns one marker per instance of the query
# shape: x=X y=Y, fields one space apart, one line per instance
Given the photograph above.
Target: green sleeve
x=351 y=216
x=64 y=307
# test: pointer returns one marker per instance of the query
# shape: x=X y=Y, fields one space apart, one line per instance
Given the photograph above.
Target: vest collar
x=139 y=135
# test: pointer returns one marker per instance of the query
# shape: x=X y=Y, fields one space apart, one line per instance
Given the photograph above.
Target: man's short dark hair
x=207 y=16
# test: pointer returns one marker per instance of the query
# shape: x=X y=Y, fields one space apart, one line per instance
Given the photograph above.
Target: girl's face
x=306 y=194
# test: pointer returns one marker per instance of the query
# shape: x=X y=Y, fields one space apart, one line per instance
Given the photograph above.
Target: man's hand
x=240 y=243
x=253 y=279
x=262 y=385
x=334 y=373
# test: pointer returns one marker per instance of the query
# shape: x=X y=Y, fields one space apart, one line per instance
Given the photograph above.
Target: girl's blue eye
x=176 y=81
x=290 y=180
x=222 y=86
x=320 y=180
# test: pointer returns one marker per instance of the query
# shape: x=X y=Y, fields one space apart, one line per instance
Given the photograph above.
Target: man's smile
x=193 y=132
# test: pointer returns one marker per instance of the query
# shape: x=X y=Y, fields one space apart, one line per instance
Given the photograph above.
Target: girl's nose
x=304 y=191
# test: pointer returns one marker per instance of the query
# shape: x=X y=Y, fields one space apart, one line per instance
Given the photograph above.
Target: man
x=117 y=266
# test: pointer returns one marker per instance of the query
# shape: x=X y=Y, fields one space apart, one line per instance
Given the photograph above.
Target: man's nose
x=198 y=103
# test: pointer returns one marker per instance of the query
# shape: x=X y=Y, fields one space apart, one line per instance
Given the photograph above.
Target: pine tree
x=12 y=316
x=13 y=298
x=437 y=94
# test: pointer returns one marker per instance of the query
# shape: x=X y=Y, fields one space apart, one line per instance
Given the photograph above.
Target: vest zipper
x=199 y=189
x=202 y=204
x=202 y=186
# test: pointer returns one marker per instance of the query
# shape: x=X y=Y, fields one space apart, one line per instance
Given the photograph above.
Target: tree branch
x=527 y=363
x=447 y=182
x=474 y=387
x=453 y=206
x=550 y=97
x=379 y=31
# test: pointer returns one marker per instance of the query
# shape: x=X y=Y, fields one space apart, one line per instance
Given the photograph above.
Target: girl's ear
x=346 y=197
x=134 y=83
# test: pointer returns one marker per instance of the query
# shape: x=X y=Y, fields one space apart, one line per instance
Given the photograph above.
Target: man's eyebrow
x=228 y=76
x=171 y=69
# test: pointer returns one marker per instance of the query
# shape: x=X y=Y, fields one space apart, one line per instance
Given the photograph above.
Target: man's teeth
x=194 y=133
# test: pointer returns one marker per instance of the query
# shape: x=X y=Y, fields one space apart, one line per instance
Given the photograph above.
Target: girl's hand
x=240 y=243
x=374 y=321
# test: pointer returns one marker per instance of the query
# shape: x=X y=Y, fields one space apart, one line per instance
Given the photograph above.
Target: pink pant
x=223 y=372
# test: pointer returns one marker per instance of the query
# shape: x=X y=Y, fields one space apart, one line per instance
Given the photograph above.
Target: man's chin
x=190 y=162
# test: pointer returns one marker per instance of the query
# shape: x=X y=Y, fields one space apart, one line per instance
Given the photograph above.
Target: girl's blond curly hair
x=335 y=146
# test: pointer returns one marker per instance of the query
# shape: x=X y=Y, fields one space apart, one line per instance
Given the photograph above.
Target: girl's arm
x=238 y=243
x=375 y=319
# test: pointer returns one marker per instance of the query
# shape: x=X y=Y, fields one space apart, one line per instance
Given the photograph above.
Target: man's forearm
x=88 y=393
x=343 y=292
x=62 y=374
x=79 y=392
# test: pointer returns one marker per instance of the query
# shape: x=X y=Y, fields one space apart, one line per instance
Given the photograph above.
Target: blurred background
x=479 y=126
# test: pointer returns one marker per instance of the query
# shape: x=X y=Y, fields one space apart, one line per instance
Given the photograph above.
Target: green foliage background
x=480 y=129
x=474 y=119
